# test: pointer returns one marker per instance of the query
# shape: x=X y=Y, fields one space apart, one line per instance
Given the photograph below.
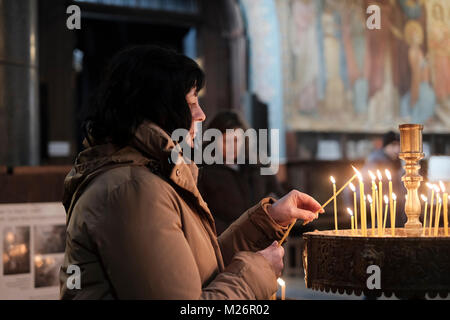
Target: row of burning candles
x=376 y=206
x=441 y=202
x=378 y=217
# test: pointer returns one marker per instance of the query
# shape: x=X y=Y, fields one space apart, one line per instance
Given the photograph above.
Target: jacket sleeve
x=146 y=255
x=253 y=231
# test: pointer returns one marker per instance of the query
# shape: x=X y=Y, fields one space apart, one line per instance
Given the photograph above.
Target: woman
x=137 y=226
x=242 y=183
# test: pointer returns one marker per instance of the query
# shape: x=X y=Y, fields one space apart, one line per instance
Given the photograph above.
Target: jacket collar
x=154 y=143
x=150 y=145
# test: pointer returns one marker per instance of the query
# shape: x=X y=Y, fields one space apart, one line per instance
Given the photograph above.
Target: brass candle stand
x=411 y=152
x=411 y=265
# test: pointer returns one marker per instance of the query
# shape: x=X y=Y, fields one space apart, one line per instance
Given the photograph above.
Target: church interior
x=336 y=86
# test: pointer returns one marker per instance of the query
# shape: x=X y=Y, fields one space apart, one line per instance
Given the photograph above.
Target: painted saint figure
x=419 y=103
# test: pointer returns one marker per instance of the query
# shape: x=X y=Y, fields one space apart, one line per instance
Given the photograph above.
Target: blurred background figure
x=242 y=184
x=387 y=156
x=384 y=158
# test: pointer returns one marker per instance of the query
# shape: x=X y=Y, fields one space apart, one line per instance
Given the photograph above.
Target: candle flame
x=372 y=176
x=425 y=199
x=439 y=198
x=333 y=181
x=442 y=186
x=350 y=212
x=352 y=187
x=394 y=196
x=386 y=199
x=370 y=198
x=436 y=188
x=380 y=177
x=429 y=185
x=281 y=282
x=360 y=177
x=388 y=174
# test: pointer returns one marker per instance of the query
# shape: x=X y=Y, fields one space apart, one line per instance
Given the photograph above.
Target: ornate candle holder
x=410 y=265
x=411 y=152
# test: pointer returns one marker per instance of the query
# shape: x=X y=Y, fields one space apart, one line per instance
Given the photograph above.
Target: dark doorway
x=99 y=40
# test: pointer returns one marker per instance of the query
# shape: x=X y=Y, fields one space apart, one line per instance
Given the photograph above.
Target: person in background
x=387 y=155
x=387 y=158
x=242 y=183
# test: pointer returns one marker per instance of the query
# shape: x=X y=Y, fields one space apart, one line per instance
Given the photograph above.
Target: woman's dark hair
x=142 y=83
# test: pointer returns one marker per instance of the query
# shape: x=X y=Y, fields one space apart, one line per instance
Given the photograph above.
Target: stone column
x=19 y=103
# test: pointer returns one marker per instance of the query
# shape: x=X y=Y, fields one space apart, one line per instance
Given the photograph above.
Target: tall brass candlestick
x=412 y=153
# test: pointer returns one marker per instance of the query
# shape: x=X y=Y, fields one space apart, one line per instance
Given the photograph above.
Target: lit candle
x=425 y=199
x=365 y=210
x=380 y=192
x=352 y=187
x=350 y=212
x=286 y=234
x=436 y=212
x=333 y=181
x=362 y=203
x=376 y=205
x=386 y=201
x=391 y=201
x=429 y=185
x=394 y=197
x=379 y=212
x=445 y=205
x=372 y=212
x=283 y=288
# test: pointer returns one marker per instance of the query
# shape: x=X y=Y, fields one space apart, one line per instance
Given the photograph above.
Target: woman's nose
x=198 y=114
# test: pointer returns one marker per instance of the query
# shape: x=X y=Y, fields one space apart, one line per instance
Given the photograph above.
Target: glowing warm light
x=352 y=187
x=429 y=185
x=425 y=199
x=281 y=282
x=386 y=199
x=350 y=211
x=333 y=181
x=22 y=249
x=10 y=237
x=394 y=197
x=436 y=188
x=372 y=176
x=38 y=261
x=441 y=184
x=380 y=177
x=369 y=198
x=388 y=174
x=358 y=174
x=439 y=198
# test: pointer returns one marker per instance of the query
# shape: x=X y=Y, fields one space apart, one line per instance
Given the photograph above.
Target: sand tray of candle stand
x=410 y=267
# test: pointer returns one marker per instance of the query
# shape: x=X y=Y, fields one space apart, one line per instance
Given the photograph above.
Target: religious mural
x=339 y=75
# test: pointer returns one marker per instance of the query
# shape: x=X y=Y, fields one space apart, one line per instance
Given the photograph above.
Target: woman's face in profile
x=196 y=112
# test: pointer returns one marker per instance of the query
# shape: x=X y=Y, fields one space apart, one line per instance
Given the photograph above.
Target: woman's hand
x=274 y=255
x=294 y=205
